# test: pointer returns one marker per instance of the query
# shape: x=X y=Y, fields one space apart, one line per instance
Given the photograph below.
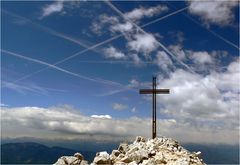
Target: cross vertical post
x=154 y=91
x=154 y=109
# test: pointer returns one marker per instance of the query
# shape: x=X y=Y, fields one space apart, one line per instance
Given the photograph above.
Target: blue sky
x=193 y=50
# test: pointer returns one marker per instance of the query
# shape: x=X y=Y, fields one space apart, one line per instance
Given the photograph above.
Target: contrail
x=113 y=62
x=70 y=57
x=94 y=46
x=46 y=29
x=214 y=33
x=161 y=45
x=61 y=69
x=166 y=16
x=143 y=31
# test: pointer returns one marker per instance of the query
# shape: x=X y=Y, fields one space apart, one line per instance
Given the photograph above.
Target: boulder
x=102 y=158
x=79 y=156
x=73 y=160
x=123 y=147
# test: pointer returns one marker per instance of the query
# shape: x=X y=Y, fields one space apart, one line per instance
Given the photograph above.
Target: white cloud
x=68 y=123
x=112 y=52
x=119 y=107
x=206 y=103
x=98 y=26
x=3 y=105
x=134 y=110
x=133 y=83
x=214 y=12
x=122 y=27
x=101 y=116
x=163 y=61
x=201 y=57
x=229 y=80
x=178 y=51
x=136 y=59
x=139 y=13
x=108 y=19
x=54 y=7
x=143 y=43
x=116 y=25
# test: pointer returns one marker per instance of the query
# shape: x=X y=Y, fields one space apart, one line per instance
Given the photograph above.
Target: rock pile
x=77 y=159
x=144 y=152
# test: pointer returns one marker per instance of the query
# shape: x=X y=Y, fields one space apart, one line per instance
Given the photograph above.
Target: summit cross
x=154 y=93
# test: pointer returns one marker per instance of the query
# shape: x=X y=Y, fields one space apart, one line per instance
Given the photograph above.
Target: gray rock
x=79 y=156
x=66 y=160
x=123 y=147
x=102 y=158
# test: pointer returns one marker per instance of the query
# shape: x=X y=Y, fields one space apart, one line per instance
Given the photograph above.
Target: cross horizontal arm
x=151 y=91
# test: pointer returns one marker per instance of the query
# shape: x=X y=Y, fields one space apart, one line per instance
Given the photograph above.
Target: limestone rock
x=79 y=156
x=102 y=158
x=77 y=159
x=154 y=151
x=162 y=151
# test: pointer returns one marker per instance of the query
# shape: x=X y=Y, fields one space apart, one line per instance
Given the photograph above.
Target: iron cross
x=154 y=91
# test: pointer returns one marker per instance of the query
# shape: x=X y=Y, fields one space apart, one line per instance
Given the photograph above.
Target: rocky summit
x=143 y=152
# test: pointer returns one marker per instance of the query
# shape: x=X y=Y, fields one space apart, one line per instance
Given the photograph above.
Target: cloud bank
x=65 y=122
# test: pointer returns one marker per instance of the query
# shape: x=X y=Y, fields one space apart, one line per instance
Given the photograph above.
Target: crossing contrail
x=214 y=33
x=166 y=16
x=95 y=46
x=61 y=69
x=143 y=31
x=47 y=30
x=68 y=58
x=211 y=31
x=160 y=44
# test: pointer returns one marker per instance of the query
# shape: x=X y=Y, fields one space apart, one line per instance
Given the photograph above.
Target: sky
x=73 y=69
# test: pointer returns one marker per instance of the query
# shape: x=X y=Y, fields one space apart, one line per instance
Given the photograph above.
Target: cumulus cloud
x=54 y=7
x=133 y=83
x=112 y=52
x=122 y=27
x=214 y=12
x=178 y=51
x=143 y=43
x=119 y=107
x=115 y=24
x=201 y=57
x=134 y=110
x=136 y=59
x=208 y=102
x=139 y=13
x=98 y=26
x=163 y=61
x=206 y=62
x=67 y=123
x=101 y=116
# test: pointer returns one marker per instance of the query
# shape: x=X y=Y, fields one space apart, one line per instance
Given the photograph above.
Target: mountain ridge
x=34 y=153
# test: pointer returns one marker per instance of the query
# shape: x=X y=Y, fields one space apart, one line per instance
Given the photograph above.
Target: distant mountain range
x=216 y=153
x=35 y=153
